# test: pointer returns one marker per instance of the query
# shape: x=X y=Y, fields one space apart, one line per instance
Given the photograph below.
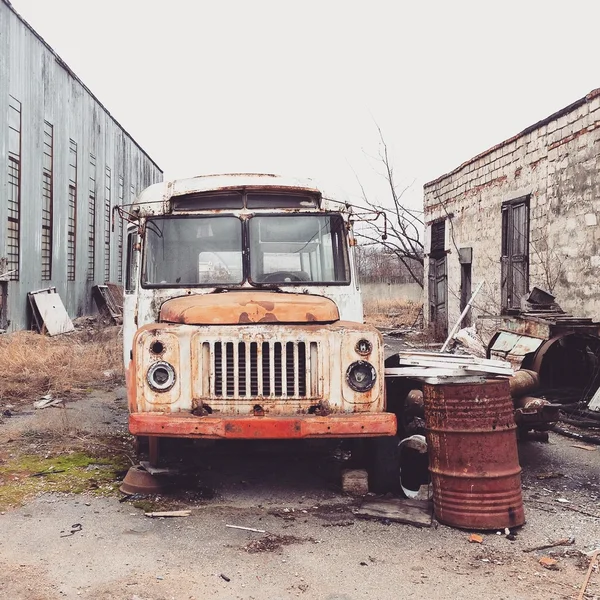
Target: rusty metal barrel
x=473 y=458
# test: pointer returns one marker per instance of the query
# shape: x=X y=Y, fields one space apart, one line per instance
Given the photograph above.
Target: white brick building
x=521 y=214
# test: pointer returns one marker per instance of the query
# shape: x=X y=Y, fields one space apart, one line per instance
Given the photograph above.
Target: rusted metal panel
x=504 y=342
x=306 y=426
x=535 y=413
x=523 y=326
x=522 y=382
x=518 y=345
x=161 y=346
x=473 y=459
x=291 y=369
x=243 y=307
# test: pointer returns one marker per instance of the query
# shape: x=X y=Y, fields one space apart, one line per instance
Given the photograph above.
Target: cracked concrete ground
x=314 y=548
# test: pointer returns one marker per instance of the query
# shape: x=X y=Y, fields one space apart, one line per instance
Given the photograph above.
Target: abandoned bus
x=243 y=315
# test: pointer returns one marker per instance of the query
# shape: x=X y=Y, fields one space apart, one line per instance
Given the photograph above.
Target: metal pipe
x=462 y=316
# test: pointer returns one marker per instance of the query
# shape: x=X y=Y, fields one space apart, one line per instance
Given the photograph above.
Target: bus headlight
x=361 y=376
x=161 y=376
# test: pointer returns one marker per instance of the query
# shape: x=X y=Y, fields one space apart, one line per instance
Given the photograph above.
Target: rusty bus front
x=243 y=317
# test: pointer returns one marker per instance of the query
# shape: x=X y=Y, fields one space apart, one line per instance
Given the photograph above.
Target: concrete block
x=562 y=121
x=572 y=276
x=594 y=116
x=595 y=261
x=573 y=116
x=591 y=220
x=571 y=224
x=355 y=482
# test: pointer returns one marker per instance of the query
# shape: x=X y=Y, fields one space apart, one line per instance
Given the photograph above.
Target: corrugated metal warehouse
x=66 y=164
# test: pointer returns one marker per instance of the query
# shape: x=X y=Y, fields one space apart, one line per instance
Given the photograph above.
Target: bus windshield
x=209 y=251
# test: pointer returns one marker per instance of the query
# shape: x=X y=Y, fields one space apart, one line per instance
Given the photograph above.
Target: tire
x=383 y=465
x=140 y=446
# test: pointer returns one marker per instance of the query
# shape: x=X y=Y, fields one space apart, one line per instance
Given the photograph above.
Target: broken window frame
x=510 y=259
x=72 y=212
x=107 y=220
x=13 y=237
x=92 y=219
x=130 y=269
x=47 y=200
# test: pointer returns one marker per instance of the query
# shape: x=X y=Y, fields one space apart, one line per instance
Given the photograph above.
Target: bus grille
x=263 y=369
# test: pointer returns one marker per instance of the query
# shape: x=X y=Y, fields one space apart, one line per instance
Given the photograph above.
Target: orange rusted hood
x=232 y=308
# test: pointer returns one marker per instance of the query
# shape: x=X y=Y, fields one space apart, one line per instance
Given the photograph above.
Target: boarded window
x=515 y=253
x=47 y=200
x=72 y=212
x=13 y=250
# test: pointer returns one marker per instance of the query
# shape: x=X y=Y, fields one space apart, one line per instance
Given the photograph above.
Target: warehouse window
x=107 y=206
x=47 y=200
x=91 y=218
x=72 y=211
x=120 y=232
x=14 y=188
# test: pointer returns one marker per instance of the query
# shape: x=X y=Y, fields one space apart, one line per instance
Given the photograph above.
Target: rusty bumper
x=251 y=427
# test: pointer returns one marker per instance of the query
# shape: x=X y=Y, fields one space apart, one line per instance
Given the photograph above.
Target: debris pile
x=435 y=367
x=556 y=357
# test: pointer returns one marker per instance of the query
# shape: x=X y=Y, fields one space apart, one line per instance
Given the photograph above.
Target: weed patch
x=66 y=365
x=392 y=313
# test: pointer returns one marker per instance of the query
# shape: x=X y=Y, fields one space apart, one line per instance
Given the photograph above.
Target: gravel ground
x=315 y=546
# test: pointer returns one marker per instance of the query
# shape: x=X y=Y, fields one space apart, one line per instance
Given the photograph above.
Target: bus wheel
x=140 y=446
x=383 y=464
x=153 y=450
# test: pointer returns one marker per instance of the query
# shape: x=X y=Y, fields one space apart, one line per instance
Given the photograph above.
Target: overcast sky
x=296 y=87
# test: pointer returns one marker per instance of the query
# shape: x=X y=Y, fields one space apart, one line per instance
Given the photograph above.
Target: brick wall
x=555 y=162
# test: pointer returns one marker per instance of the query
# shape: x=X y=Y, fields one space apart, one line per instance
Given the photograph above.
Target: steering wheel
x=281 y=277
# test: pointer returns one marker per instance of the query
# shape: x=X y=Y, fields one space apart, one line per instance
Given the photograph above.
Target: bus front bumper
x=257 y=427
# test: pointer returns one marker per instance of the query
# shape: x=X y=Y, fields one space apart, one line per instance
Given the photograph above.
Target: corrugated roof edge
x=563 y=111
x=66 y=67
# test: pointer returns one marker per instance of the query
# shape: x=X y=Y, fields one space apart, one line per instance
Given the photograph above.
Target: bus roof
x=229 y=181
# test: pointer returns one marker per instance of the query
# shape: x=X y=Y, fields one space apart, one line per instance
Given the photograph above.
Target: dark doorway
x=465 y=258
x=515 y=253
x=438 y=280
x=3 y=304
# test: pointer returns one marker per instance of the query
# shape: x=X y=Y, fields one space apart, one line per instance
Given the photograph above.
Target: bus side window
x=131 y=260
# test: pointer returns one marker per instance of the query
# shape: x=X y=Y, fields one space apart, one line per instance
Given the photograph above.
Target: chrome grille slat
x=284 y=393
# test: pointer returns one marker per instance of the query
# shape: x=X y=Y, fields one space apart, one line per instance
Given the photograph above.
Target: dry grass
x=392 y=313
x=65 y=366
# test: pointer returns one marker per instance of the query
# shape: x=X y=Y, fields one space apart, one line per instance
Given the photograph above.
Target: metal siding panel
x=32 y=73
x=4 y=90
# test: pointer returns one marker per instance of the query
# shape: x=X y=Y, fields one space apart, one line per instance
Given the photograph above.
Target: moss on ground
x=26 y=475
